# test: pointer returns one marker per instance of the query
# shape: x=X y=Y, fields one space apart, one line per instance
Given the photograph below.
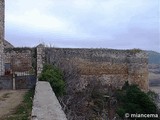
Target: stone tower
x=2 y=7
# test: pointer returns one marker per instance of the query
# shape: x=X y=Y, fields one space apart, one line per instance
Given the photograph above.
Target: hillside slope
x=154 y=68
x=153 y=57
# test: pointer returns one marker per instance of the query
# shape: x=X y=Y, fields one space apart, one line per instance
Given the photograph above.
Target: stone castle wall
x=19 y=70
x=20 y=59
x=1 y=36
x=2 y=18
x=111 y=67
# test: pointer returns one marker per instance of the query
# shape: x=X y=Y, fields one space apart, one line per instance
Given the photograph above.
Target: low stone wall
x=45 y=104
x=6 y=82
x=25 y=82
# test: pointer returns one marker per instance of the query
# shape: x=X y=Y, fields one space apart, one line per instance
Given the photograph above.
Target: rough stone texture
x=45 y=104
x=19 y=69
x=1 y=36
x=107 y=65
x=40 y=58
x=19 y=58
x=2 y=5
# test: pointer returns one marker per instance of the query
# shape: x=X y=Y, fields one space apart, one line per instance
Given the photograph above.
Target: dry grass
x=5 y=96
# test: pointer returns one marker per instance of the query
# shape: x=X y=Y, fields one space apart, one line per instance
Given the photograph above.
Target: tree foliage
x=132 y=100
x=54 y=76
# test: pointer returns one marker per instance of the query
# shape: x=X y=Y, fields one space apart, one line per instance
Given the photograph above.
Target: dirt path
x=9 y=100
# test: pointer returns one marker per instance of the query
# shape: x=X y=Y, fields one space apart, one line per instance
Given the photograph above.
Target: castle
x=111 y=67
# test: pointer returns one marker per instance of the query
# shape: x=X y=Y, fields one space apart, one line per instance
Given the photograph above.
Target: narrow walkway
x=45 y=104
x=9 y=100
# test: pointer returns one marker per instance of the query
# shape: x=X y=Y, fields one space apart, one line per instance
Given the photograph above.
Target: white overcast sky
x=120 y=24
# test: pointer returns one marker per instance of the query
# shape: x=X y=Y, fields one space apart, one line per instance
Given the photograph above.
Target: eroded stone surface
x=1 y=36
x=45 y=104
x=106 y=65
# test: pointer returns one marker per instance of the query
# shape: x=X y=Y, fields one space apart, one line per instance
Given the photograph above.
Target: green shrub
x=133 y=100
x=54 y=76
x=121 y=112
x=135 y=50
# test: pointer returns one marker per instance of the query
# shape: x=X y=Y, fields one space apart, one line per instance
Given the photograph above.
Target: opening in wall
x=7 y=67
